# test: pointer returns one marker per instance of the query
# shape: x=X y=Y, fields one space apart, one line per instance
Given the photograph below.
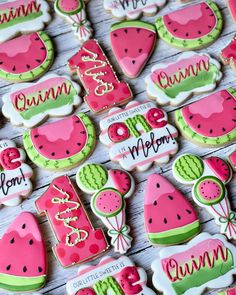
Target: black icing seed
x=24 y=269
x=126 y=50
x=126 y=31
x=199 y=32
x=40 y=147
x=133 y=62
x=8 y=267
x=42 y=48
x=198 y=126
x=150 y=220
x=38 y=60
x=188 y=211
x=190 y=117
x=115 y=35
x=170 y=197
x=158 y=185
x=12 y=241
x=40 y=269
x=24 y=226
x=67 y=152
x=1 y=62
x=211 y=130
x=138 y=30
x=53 y=154
x=78 y=143
x=37 y=39
x=28 y=66
x=140 y=50
x=36 y=136
x=13 y=69
x=165 y=220
x=155 y=203
x=178 y=216
x=31 y=242
x=223 y=129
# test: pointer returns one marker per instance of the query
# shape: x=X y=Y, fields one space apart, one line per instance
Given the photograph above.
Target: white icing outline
x=16 y=119
x=71 y=288
x=162 y=98
x=161 y=282
x=115 y=148
x=132 y=14
x=28 y=26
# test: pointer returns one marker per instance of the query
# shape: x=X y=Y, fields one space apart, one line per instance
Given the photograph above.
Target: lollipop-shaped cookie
x=209 y=177
x=109 y=189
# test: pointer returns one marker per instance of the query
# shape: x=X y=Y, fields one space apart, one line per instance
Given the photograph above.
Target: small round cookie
x=29 y=104
x=14 y=174
x=26 y=58
x=23 y=16
x=124 y=9
x=132 y=43
x=173 y=83
x=193 y=27
x=62 y=144
x=212 y=126
x=23 y=259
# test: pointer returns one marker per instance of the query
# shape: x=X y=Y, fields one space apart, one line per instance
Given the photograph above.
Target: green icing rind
x=188 y=168
x=196 y=43
x=211 y=201
x=109 y=283
x=37 y=72
x=204 y=140
x=199 y=278
x=175 y=236
x=133 y=24
x=92 y=176
x=18 y=284
x=69 y=162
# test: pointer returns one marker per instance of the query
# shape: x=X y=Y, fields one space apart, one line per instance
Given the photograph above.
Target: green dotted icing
x=205 y=40
x=102 y=287
x=66 y=163
x=38 y=71
x=188 y=168
x=133 y=122
x=92 y=177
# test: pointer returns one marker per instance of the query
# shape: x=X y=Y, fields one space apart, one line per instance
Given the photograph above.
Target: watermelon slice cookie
x=109 y=189
x=169 y=218
x=212 y=126
x=193 y=27
x=62 y=144
x=132 y=43
x=23 y=263
x=26 y=58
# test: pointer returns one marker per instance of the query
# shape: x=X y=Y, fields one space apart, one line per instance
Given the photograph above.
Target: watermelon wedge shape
x=214 y=125
x=23 y=262
x=132 y=43
x=26 y=58
x=192 y=27
x=62 y=144
x=169 y=218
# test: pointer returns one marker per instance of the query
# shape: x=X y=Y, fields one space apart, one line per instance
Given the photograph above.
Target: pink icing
x=23 y=252
x=186 y=23
x=205 y=246
x=219 y=167
x=118 y=132
x=70 y=130
x=49 y=83
x=232 y=158
x=9 y=157
x=16 y=46
x=86 y=291
x=187 y=14
x=61 y=200
x=209 y=190
x=121 y=179
x=229 y=52
x=231 y=292
x=165 y=208
x=156 y=118
x=104 y=90
x=13 y=4
x=128 y=278
x=31 y=228
x=109 y=202
x=132 y=47
x=232 y=8
x=217 y=119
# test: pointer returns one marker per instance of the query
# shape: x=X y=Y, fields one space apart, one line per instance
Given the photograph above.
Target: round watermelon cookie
x=132 y=43
x=26 y=58
x=62 y=144
x=192 y=27
x=214 y=125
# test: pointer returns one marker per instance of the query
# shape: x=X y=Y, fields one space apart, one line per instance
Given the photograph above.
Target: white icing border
x=16 y=119
x=28 y=26
x=161 y=282
x=162 y=98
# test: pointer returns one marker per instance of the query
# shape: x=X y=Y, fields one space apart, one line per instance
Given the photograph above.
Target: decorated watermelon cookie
x=206 y=262
x=103 y=89
x=169 y=218
x=192 y=27
x=232 y=160
x=22 y=16
x=228 y=54
x=77 y=240
x=15 y=174
x=74 y=12
x=29 y=104
x=26 y=58
x=23 y=261
x=132 y=43
x=214 y=125
x=62 y=144
x=119 y=276
x=173 y=83
x=209 y=177
x=110 y=188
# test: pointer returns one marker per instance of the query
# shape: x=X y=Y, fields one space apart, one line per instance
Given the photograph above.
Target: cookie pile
x=136 y=134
